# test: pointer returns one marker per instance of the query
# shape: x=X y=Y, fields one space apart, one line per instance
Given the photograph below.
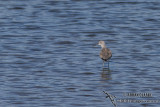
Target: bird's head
x=102 y=44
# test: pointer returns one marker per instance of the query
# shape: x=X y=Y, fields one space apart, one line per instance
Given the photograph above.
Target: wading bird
x=105 y=53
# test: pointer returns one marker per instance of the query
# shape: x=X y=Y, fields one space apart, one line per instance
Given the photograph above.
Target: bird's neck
x=103 y=46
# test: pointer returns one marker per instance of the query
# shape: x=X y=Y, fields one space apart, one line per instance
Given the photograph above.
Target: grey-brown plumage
x=105 y=53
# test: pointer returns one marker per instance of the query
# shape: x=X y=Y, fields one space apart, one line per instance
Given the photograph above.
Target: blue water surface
x=49 y=57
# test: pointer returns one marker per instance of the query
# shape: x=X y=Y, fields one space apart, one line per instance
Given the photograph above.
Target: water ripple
x=50 y=57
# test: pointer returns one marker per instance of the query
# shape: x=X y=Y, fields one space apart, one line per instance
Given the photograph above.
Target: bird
x=105 y=53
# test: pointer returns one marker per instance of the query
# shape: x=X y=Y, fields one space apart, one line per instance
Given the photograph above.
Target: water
x=48 y=56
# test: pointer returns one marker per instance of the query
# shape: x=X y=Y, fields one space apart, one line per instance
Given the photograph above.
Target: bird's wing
x=105 y=53
x=109 y=53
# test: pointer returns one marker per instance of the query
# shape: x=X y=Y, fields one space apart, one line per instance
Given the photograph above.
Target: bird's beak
x=96 y=45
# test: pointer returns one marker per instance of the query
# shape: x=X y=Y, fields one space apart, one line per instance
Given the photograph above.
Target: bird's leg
x=103 y=63
x=108 y=64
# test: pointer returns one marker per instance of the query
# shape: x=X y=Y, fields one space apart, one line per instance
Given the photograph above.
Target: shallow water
x=48 y=55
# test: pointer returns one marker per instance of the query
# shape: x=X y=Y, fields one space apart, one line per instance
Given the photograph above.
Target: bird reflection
x=106 y=74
